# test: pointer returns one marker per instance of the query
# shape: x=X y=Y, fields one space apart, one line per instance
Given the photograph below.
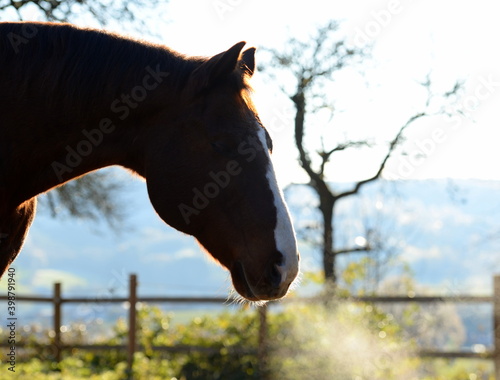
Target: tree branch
x=325 y=155
x=392 y=146
x=349 y=144
x=351 y=250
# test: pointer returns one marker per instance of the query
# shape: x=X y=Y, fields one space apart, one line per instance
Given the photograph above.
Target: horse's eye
x=224 y=148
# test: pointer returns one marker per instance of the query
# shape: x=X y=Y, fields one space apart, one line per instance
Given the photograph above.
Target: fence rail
x=58 y=300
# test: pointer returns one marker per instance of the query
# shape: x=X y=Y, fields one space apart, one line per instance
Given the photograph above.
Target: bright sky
x=452 y=39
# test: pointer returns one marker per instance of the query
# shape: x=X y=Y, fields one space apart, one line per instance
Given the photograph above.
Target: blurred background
x=384 y=118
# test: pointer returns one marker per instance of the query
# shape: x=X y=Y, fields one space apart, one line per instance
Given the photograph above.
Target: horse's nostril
x=276 y=275
x=280 y=261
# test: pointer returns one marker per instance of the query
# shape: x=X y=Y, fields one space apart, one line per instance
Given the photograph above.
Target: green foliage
x=227 y=349
x=333 y=339
x=227 y=344
x=343 y=341
x=71 y=368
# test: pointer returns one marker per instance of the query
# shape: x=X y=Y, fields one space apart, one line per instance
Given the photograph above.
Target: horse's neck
x=50 y=147
x=56 y=125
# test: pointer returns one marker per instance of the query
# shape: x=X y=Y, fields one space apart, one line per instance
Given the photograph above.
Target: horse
x=74 y=100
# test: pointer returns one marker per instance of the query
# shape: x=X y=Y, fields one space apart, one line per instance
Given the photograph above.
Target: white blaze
x=284 y=234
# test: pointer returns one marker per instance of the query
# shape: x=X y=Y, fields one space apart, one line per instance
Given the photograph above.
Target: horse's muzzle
x=272 y=283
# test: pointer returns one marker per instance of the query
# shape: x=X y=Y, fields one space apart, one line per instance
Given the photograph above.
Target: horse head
x=209 y=174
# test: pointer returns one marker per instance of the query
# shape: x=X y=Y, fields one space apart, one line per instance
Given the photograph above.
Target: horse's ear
x=248 y=60
x=217 y=67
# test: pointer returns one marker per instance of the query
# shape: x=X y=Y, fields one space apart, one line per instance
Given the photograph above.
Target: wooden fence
x=58 y=300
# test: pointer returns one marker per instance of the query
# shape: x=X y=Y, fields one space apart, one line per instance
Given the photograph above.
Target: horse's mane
x=74 y=66
x=79 y=72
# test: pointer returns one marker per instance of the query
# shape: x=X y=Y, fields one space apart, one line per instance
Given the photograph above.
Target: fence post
x=262 y=343
x=496 y=325
x=132 y=316
x=57 y=321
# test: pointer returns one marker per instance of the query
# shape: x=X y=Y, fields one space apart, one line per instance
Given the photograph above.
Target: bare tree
x=310 y=65
x=94 y=196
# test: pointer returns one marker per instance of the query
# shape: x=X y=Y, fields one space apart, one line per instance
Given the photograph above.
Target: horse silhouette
x=74 y=100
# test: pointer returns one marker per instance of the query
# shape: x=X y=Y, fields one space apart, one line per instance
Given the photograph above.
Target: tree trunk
x=326 y=207
x=328 y=254
x=326 y=197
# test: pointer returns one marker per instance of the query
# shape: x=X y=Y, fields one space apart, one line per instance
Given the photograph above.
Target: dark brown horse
x=75 y=100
